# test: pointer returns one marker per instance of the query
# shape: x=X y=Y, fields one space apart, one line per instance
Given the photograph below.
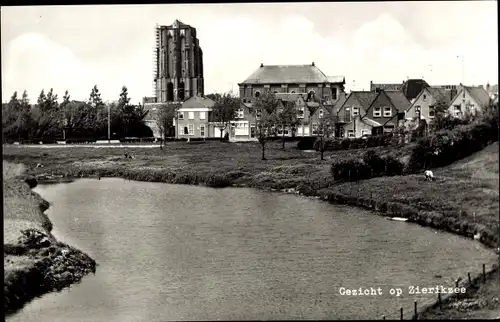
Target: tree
x=326 y=127
x=46 y=115
x=264 y=112
x=97 y=117
x=10 y=115
x=165 y=118
x=286 y=116
x=443 y=120
x=224 y=110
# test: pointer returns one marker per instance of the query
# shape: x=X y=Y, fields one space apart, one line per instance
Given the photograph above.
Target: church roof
x=287 y=74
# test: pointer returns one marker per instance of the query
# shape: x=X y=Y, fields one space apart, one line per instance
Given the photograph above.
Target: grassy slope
x=466 y=191
x=33 y=264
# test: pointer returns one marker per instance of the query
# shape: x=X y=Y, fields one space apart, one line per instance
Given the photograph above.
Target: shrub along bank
x=335 y=144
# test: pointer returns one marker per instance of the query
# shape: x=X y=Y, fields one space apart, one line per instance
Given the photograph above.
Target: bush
x=375 y=162
x=393 y=166
x=307 y=143
x=350 y=170
x=447 y=146
x=371 y=166
x=335 y=144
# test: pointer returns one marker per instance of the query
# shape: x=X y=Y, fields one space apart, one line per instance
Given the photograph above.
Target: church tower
x=178 y=63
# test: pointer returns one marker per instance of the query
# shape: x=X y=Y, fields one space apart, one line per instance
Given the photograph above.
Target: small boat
x=398 y=219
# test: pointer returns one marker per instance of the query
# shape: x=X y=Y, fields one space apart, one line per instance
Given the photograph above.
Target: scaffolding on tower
x=156 y=52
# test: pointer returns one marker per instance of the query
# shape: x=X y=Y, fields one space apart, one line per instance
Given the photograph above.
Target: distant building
x=410 y=88
x=178 y=64
x=305 y=79
x=386 y=87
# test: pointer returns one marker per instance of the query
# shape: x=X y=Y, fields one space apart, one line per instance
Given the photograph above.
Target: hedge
x=335 y=144
x=371 y=166
x=306 y=143
x=447 y=146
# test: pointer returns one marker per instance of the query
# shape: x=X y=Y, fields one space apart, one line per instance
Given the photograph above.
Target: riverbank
x=463 y=199
x=35 y=263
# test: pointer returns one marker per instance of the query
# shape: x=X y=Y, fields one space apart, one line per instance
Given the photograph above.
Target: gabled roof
x=398 y=99
x=479 y=94
x=197 y=102
x=287 y=74
x=440 y=94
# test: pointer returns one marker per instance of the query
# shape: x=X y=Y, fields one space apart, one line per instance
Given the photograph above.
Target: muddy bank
x=35 y=263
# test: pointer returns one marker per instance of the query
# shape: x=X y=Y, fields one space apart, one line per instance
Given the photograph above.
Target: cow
x=429 y=175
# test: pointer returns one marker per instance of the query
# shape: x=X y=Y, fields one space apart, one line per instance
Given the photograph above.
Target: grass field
x=464 y=195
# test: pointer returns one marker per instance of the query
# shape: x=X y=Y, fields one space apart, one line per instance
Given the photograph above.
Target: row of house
x=359 y=113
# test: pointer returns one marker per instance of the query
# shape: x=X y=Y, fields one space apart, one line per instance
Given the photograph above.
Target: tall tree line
x=50 y=120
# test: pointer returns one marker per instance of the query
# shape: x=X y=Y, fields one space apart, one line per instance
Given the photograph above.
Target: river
x=178 y=252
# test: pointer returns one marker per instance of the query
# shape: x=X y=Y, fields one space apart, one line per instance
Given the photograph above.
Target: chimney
x=261 y=65
x=313 y=63
x=488 y=87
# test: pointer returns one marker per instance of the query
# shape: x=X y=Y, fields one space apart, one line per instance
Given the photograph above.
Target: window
x=315 y=128
x=425 y=96
x=355 y=111
x=202 y=115
x=293 y=92
x=181 y=115
x=239 y=113
x=252 y=130
x=334 y=93
x=365 y=132
x=191 y=129
x=457 y=107
x=257 y=94
x=432 y=111
x=377 y=112
x=202 y=130
x=321 y=114
x=190 y=115
x=387 y=111
x=350 y=133
x=300 y=112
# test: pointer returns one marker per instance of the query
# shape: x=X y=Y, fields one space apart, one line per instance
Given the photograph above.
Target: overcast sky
x=77 y=47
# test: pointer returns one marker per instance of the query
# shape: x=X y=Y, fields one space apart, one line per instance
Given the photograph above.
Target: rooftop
x=289 y=74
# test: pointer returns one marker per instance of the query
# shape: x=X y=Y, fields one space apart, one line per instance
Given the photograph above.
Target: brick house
x=356 y=104
x=193 y=118
x=305 y=79
x=469 y=99
x=387 y=109
x=423 y=105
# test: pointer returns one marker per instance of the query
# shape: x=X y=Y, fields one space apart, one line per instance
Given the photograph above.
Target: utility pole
x=109 y=123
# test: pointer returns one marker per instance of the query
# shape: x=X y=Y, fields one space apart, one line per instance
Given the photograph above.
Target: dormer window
x=321 y=114
x=355 y=111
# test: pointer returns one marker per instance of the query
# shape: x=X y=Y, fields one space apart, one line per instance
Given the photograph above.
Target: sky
x=76 y=47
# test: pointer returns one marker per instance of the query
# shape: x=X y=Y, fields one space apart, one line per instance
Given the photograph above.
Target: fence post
x=415 y=310
x=484 y=273
x=401 y=313
x=468 y=275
